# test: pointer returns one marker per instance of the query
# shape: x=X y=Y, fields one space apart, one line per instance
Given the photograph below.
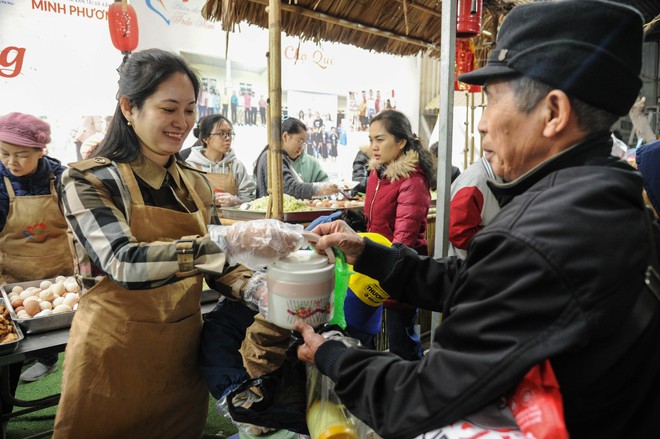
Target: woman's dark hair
x=139 y=77
x=206 y=124
x=293 y=126
x=398 y=125
x=290 y=125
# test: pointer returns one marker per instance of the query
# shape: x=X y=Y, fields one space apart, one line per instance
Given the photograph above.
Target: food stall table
x=34 y=346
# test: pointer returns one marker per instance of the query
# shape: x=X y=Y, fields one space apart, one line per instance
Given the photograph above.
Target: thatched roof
x=399 y=27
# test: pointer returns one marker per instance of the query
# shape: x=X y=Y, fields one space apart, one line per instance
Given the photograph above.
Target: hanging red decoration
x=123 y=24
x=465 y=62
x=468 y=18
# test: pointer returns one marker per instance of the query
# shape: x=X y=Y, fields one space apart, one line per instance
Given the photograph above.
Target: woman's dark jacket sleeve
x=291 y=186
x=360 y=172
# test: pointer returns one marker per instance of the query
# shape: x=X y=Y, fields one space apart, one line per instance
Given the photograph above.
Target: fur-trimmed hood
x=402 y=167
x=366 y=150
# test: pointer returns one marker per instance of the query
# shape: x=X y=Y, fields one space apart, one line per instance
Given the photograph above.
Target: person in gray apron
x=33 y=233
x=227 y=176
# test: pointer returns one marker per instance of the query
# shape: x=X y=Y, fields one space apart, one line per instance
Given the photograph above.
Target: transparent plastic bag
x=256 y=292
x=258 y=243
x=274 y=401
x=250 y=429
x=327 y=417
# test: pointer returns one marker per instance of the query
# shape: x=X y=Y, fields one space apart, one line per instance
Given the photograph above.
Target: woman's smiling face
x=165 y=119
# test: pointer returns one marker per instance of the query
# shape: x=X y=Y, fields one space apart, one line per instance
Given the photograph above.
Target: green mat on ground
x=36 y=422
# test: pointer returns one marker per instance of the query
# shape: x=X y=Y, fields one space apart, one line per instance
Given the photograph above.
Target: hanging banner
x=465 y=62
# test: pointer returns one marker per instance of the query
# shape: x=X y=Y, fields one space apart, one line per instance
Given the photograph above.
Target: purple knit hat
x=24 y=130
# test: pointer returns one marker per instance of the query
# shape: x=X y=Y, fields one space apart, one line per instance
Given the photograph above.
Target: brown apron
x=222 y=181
x=131 y=366
x=34 y=243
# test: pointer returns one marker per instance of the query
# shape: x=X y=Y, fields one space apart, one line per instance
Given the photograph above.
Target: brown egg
x=32 y=308
x=19 y=309
x=17 y=302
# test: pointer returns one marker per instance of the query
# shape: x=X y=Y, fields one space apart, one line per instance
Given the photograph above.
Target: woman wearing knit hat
x=33 y=238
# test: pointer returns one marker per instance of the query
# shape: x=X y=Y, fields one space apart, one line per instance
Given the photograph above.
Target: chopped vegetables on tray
x=290 y=204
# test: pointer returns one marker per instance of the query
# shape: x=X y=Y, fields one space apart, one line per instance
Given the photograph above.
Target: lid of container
x=303 y=266
x=302 y=260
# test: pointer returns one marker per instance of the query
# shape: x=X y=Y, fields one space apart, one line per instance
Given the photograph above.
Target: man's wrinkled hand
x=339 y=234
x=313 y=341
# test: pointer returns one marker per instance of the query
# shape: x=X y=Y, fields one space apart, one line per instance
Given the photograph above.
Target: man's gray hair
x=530 y=92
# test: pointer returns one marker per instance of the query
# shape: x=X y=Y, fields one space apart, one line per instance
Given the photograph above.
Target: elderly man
x=558 y=274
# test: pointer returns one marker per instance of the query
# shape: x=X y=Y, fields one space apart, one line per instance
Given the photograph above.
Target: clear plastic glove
x=226 y=200
x=258 y=243
x=256 y=290
x=325 y=189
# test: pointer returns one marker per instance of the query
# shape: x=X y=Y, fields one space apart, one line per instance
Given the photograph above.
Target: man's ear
x=127 y=108
x=557 y=113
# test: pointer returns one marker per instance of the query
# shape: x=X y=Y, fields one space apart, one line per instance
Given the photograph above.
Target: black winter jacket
x=361 y=170
x=556 y=275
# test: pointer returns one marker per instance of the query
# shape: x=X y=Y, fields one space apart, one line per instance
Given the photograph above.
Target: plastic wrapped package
x=327 y=417
x=257 y=243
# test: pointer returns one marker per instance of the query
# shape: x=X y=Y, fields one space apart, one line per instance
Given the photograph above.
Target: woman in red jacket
x=396 y=206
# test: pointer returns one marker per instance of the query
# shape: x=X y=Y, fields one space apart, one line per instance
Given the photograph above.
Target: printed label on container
x=315 y=312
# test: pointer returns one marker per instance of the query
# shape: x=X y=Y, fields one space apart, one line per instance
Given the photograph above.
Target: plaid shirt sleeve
x=96 y=207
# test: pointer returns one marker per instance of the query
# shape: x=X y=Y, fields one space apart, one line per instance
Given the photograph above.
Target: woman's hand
x=326 y=189
x=227 y=200
x=339 y=234
x=257 y=243
x=313 y=340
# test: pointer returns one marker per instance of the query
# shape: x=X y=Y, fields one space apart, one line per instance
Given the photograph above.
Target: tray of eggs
x=42 y=305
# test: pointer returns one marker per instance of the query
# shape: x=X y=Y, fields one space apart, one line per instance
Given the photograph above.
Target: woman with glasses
x=228 y=177
x=294 y=136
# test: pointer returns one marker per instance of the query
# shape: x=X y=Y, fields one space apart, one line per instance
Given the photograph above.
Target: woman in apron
x=230 y=181
x=33 y=233
x=139 y=220
x=294 y=138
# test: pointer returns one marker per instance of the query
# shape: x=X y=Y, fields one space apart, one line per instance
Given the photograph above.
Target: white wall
x=69 y=64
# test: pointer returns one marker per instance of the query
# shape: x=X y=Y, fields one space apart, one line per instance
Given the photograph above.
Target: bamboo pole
x=351 y=25
x=275 y=208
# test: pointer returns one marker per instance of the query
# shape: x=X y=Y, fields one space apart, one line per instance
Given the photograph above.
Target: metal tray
x=289 y=217
x=36 y=325
x=8 y=348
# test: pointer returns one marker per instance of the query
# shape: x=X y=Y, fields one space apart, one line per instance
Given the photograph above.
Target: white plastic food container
x=301 y=287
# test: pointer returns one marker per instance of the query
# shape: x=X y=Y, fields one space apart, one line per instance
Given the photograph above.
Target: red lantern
x=123 y=23
x=468 y=18
x=465 y=62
